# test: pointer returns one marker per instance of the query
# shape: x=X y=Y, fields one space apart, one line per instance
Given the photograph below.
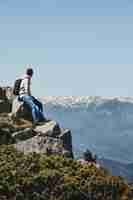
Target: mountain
x=36 y=157
x=118 y=169
x=104 y=125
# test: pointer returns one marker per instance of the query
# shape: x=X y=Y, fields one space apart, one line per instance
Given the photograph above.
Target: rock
x=49 y=139
x=6 y=93
x=16 y=128
x=5 y=103
x=5 y=106
x=40 y=144
x=31 y=145
x=67 y=154
x=54 y=145
x=66 y=138
x=23 y=134
x=2 y=93
x=21 y=124
x=21 y=110
x=16 y=105
x=50 y=129
x=9 y=93
x=5 y=136
x=6 y=130
x=6 y=123
x=9 y=131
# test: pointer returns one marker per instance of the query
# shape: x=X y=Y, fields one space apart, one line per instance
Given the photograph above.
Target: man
x=25 y=96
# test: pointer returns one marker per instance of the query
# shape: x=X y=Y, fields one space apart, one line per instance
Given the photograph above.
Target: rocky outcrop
x=20 y=110
x=6 y=93
x=16 y=129
x=50 y=129
x=10 y=104
x=47 y=138
x=5 y=100
x=66 y=137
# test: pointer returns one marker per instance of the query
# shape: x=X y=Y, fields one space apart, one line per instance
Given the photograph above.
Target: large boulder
x=20 y=110
x=6 y=129
x=5 y=136
x=50 y=129
x=11 y=132
x=40 y=144
x=66 y=138
x=3 y=93
x=46 y=138
x=22 y=135
x=16 y=128
x=5 y=106
x=6 y=93
x=5 y=102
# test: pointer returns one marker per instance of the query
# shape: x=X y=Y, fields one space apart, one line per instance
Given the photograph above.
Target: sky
x=76 y=47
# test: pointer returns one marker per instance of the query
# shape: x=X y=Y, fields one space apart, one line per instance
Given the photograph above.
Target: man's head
x=30 y=72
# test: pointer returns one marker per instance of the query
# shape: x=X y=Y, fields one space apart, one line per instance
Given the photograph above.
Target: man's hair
x=29 y=72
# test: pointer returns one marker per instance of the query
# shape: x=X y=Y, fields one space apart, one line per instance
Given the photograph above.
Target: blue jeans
x=35 y=106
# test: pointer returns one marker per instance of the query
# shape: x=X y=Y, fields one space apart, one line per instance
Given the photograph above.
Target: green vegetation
x=39 y=177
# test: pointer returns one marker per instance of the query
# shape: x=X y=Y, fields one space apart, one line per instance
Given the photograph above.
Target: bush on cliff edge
x=39 y=177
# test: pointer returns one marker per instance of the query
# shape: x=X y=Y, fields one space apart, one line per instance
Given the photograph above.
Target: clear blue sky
x=77 y=47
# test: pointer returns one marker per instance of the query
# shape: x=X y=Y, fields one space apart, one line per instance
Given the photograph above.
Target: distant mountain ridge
x=105 y=125
x=76 y=100
x=118 y=169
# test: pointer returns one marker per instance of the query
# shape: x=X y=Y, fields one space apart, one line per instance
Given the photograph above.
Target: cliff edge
x=16 y=129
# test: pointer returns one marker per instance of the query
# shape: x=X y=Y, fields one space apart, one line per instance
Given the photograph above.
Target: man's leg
x=41 y=116
x=29 y=102
x=38 y=103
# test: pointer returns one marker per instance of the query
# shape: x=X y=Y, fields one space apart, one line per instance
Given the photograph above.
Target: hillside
x=36 y=162
x=118 y=168
x=40 y=177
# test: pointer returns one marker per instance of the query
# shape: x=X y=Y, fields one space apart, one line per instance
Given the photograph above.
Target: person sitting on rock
x=89 y=159
x=26 y=96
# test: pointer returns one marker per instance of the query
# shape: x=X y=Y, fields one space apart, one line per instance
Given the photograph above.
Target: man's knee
x=28 y=101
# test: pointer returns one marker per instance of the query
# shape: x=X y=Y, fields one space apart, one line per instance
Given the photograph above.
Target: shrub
x=39 y=177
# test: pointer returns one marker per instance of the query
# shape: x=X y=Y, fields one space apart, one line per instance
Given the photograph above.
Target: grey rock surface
x=66 y=137
x=23 y=134
x=46 y=138
x=5 y=103
x=50 y=129
x=20 y=110
x=40 y=144
x=16 y=128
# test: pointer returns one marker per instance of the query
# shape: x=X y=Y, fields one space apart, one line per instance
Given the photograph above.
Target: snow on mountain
x=76 y=100
x=103 y=124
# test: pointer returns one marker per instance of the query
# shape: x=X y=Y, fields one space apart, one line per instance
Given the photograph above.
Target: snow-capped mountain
x=104 y=125
x=69 y=101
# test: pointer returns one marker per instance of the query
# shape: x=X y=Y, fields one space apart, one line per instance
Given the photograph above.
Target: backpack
x=16 y=87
